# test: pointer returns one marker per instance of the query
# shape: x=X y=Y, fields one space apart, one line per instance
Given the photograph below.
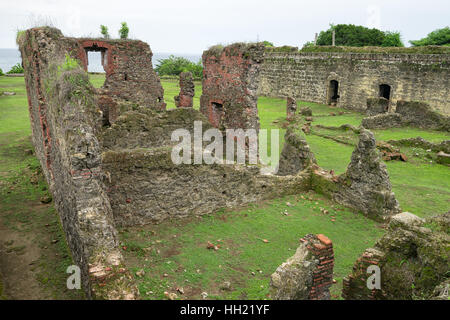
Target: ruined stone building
x=349 y=79
x=106 y=153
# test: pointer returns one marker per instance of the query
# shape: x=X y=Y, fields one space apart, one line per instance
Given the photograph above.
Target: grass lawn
x=173 y=254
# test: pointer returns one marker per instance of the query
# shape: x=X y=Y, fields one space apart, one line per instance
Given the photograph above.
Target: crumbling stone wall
x=187 y=87
x=230 y=85
x=129 y=71
x=376 y=106
x=413 y=258
x=145 y=186
x=291 y=108
x=296 y=154
x=365 y=186
x=408 y=113
x=308 y=274
x=65 y=120
x=306 y=76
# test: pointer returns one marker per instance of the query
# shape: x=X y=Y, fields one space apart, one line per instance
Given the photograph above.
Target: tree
x=392 y=39
x=173 y=66
x=439 y=37
x=104 y=31
x=358 y=36
x=123 y=31
x=16 y=69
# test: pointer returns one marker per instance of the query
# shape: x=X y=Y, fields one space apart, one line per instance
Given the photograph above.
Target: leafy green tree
x=392 y=39
x=439 y=37
x=104 y=31
x=173 y=66
x=16 y=69
x=1 y=72
x=123 y=31
x=358 y=36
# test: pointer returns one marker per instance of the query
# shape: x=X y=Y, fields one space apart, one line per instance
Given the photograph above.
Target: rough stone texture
x=306 y=111
x=419 y=142
x=230 y=85
x=129 y=73
x=296 y=154
x=306 y=76
x=65 y=120
x=413 y=257
x=291 y=108
x=443 y=158
x=146 y=187
x=308 y=274
x=376 y=106
x=382 y=121
x=187 y=87
x=419 y=114
x=366 y=184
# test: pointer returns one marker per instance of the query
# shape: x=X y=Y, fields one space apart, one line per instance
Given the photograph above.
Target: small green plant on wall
x=104 y=31
x=123 y=31
x=69 y=64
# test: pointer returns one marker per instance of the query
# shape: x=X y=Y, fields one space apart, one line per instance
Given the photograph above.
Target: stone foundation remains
x=308 y=274
x=409 y=113
x=187 y=87
x=413 y=260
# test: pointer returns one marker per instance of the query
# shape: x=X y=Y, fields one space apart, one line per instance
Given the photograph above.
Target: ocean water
x=9 y=57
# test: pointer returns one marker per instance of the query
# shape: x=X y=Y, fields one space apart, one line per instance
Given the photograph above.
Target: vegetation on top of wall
x=123 y=31
x=282 y=49
x=359 y=36
x=19 y=34
x=439 y=37
x=173 y=66
x=411 y=50
x=104 y=31
x=16 y=69
x=267 y=43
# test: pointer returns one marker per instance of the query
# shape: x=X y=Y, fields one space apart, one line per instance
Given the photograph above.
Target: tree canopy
x=173 y=66
x=439 y=37
x=359 y=36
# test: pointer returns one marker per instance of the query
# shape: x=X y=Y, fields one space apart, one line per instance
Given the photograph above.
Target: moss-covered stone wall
x=306 y=76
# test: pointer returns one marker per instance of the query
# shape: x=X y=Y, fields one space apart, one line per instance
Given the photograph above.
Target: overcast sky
x=191 y=26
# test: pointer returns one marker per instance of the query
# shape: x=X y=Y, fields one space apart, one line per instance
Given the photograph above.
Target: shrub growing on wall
x=123 y=31
x=104 y=31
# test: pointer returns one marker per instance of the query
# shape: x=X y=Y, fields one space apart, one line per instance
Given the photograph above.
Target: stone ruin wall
x=230 y=85
x=65 y=120
x=306 y=76
x=308 y=274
